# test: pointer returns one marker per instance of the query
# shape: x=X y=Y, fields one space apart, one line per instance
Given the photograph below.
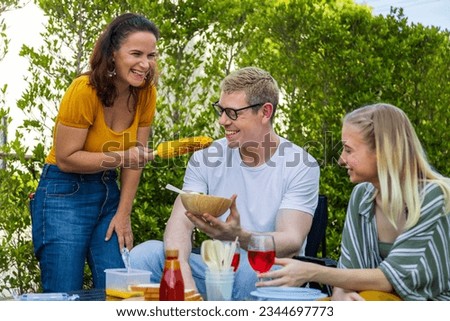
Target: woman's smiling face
x=357 y=157
x=135 y=58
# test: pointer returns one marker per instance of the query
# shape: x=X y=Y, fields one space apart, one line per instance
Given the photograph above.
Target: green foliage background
x=329 y=58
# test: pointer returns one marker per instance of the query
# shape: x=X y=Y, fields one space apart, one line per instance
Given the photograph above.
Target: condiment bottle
x=171 y=287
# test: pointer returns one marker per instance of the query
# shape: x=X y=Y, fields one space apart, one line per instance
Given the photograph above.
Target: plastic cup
x=219 y=285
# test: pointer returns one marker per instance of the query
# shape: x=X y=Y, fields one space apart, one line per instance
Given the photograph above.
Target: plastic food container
x=122 y=279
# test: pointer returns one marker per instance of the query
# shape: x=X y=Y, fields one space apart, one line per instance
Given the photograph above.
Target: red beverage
x=261 y=261
x=235 y=261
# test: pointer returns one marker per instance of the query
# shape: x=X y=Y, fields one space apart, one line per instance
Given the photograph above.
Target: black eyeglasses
x=231 y=113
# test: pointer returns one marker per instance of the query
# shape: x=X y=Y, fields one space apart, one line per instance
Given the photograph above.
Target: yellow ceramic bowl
x=198 y=204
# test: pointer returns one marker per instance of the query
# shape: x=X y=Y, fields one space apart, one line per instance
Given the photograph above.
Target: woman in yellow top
x=79 y=212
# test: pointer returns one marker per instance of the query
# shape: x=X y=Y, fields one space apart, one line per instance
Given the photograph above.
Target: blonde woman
x=396 y=236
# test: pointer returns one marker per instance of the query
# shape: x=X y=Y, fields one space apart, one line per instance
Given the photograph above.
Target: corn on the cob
x=182 y=146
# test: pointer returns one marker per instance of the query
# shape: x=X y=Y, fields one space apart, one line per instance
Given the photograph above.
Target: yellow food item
x=151 y=293
x=143 y=287
x=193 y=297
x=182 y=146
x=122 y=293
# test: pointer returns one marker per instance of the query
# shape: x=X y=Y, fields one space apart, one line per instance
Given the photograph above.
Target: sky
x=426 y=12
x=13 y=68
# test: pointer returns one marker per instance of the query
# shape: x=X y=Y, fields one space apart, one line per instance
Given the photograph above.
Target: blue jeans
x=149 y=256
x=70 y=216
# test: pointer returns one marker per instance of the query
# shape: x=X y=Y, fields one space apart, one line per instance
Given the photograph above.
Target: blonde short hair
x=257 y=84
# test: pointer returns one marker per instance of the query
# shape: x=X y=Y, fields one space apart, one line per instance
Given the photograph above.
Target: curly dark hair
x=102 y=57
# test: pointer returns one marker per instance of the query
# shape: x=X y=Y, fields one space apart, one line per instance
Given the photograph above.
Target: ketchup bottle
x=171 y=287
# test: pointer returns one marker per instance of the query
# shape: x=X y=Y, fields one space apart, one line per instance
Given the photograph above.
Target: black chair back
x=317 y=235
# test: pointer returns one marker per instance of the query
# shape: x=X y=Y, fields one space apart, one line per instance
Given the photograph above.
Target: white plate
x=287 y=294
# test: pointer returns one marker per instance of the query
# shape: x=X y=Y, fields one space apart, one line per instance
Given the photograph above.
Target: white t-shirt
x=289 y=180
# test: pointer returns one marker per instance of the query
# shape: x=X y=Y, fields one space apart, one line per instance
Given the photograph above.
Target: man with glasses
x=273 y=182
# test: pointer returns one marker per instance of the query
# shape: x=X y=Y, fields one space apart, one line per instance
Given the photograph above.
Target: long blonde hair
x=403 y=169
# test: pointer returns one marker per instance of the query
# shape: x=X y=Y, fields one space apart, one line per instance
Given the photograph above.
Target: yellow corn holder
x=182 y=146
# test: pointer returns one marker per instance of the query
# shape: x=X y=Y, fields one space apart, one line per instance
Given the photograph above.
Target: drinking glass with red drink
x=261 y=252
